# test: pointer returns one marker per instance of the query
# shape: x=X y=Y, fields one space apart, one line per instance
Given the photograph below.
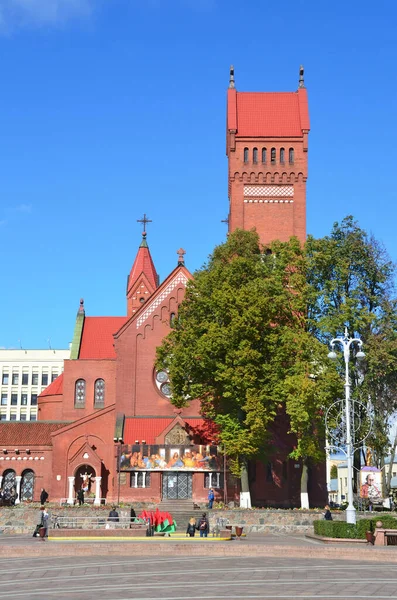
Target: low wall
x=23 y=518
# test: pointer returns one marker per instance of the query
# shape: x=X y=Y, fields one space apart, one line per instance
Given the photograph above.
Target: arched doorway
x=27 y=485
x=84 y=479
x=9 y=481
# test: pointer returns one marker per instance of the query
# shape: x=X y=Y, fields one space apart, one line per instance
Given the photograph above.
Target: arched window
x=79 y=394
x=291 y=156
x=172 y=319
x=273 y=156
x=27 y=485
x=245 y=155
x=282 y=156
x=9 y=482
x=263 y=155
x=99 y=394
x=255 y=155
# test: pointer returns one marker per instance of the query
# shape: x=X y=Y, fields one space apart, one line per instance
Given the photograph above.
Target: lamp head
x=332 y=355
x=360 y=355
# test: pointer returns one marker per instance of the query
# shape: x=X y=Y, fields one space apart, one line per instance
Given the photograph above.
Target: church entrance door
x=177 y=486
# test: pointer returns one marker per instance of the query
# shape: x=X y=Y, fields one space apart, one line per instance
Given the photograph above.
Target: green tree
x=334 y=472
x=241 y=345
x=351 y=281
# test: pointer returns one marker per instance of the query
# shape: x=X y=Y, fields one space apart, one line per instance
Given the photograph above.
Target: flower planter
x=369 y=536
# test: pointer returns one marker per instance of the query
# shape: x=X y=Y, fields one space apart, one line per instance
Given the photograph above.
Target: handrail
x=72 y=522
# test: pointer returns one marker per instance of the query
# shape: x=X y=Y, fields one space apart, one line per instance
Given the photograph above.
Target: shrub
x=341 y=529
x=336 y=529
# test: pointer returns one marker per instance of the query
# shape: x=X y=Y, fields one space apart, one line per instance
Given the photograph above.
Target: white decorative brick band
x=181 y=278
x=269 y=191
x=266 y=201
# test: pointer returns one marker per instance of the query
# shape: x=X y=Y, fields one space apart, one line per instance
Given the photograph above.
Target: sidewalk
x=254 y=545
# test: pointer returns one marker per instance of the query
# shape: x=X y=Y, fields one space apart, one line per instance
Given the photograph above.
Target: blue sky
x=115 y=108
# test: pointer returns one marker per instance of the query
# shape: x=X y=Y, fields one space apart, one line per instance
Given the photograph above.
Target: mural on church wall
x=172 y=457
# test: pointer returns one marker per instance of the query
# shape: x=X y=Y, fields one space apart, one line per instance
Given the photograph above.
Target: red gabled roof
x=97 y=338
x=26 y=434
x=55 y=388
x=149 y=428
x=143 y=264
x=268 y=114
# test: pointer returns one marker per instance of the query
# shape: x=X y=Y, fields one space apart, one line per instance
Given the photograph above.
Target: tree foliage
x=352 y=285
x=241 y=345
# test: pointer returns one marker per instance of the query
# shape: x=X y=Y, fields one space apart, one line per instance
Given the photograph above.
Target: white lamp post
x=346 y=343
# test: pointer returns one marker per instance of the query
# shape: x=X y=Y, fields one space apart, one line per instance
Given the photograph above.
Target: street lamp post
x=346 y=344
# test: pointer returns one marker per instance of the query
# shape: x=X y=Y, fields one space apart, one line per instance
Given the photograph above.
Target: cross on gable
x=225 y=220
x=144 y=220
x=181 y=252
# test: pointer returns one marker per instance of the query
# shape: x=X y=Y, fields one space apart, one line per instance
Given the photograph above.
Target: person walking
x=191 y=527
x=211 y=497
x=204 y=526
x=43 y=496
x=80 y=496
x=44 y=523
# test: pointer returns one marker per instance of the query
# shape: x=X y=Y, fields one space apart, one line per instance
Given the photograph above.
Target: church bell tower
x=267 y=146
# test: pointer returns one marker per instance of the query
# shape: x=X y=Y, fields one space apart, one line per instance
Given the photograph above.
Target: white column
x=144 y=479
x=210 y=479
x=97 y=500
x=136 y=479
x=70 y=499
x=18 y=484
x=1 y=479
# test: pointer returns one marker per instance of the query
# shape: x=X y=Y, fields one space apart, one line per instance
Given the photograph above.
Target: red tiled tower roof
x=55 y=388
x=97 y=337
x=143 y=264
x=267 y=114
x=142 y=280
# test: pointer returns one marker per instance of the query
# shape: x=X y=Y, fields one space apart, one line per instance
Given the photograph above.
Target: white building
x=24 y=374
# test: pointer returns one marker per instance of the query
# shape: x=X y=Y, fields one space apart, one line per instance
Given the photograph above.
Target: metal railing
x=71 y=522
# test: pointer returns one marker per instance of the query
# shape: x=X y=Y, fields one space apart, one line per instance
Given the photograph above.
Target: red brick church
x=106 y=424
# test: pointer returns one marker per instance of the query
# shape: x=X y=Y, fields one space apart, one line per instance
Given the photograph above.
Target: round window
x=162 y=376
x=166 y=389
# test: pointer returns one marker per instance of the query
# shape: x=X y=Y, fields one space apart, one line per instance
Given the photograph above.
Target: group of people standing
x=202 y=526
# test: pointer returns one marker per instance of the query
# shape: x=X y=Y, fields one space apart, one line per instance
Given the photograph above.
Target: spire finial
x=181 y=252
x=144 y=221
x=231 y=78
x=81 y=307
x=301 y=77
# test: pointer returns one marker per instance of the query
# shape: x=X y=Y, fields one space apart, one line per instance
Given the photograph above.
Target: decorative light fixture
x=137 y=441
x=5 y=451
x=27 y=451
x=16 y=451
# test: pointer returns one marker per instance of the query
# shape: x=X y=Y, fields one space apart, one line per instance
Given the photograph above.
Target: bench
x=384 y=537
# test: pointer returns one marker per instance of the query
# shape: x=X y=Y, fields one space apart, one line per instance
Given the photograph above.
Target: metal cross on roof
x=225 y=220
x=144 y=221
x=181 y=252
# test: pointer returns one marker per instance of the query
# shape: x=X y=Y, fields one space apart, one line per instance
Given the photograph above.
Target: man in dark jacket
x=204 y=526
x=80 y=496
x=113 y=515
x=43 y=496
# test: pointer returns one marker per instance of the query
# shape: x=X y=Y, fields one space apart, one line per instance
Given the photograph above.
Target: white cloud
x=37 y=13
